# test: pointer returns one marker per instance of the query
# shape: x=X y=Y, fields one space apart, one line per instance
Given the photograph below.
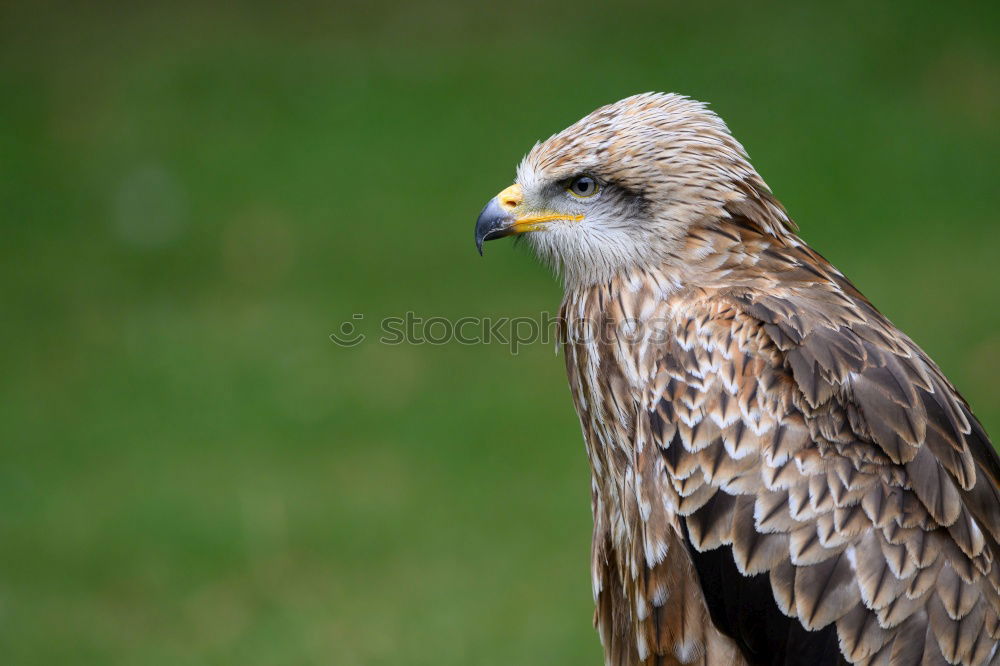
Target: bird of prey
x=779 y=475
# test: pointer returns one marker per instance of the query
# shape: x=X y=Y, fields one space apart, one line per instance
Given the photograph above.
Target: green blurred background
x=194 y=196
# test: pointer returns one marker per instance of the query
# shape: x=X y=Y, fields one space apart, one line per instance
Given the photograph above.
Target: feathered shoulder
x=831 y=486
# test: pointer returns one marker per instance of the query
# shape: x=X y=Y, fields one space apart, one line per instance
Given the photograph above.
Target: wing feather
x=790 y=456
x=873 y=512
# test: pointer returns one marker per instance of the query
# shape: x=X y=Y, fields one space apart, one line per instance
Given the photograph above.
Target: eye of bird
x=583 y=187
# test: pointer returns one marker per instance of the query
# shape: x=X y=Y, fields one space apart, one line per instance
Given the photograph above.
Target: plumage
x=780 y=476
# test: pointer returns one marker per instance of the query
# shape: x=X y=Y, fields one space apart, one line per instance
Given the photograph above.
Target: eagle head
x=623 y=187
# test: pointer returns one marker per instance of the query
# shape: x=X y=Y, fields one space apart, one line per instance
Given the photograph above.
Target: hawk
x=779 y=475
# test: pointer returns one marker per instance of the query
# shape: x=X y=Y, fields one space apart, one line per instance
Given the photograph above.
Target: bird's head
x=623 y=187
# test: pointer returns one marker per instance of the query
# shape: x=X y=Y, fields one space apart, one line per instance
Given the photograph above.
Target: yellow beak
x=500 y=217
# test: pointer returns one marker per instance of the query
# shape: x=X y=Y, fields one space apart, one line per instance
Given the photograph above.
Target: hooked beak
x=501 y=217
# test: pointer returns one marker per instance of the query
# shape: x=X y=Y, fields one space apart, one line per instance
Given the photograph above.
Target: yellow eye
x=583 y=187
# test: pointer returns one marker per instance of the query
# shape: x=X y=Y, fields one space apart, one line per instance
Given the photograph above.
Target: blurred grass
x=193 y=196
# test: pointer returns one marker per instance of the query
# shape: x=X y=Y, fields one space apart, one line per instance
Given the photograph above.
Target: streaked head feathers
x=665 y=164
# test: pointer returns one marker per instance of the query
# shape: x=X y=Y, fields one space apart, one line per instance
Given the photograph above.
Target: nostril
x=510 y=198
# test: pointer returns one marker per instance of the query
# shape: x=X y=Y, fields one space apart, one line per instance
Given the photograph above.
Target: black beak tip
x=493 y=222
